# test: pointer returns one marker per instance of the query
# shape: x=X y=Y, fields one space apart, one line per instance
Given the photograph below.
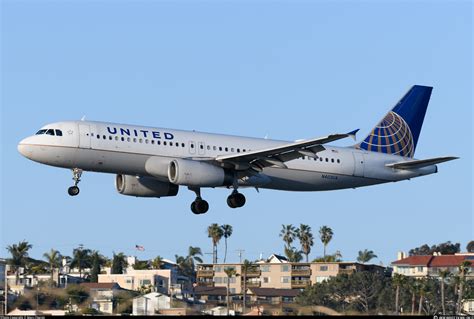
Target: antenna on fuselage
x=83 y=118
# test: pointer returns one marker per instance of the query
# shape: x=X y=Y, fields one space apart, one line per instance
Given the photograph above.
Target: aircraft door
x=84 y=136
x=358 y=164
x=201 y=148
x=192 y=147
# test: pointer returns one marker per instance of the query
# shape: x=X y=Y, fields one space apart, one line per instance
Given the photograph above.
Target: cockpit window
x=59 y=133
x=40 y=132
x=50 y=132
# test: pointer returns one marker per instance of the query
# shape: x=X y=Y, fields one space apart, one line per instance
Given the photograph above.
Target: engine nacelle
x=198 y=173
x=144 y=186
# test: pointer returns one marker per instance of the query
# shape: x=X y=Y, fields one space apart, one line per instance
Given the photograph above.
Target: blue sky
x=285 y=69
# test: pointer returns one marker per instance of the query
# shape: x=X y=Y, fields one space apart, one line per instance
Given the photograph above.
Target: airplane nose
x=24 y=148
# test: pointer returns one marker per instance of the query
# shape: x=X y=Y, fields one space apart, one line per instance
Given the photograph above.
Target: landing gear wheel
x=199 y=206
x=236 y=200
x=73 y=190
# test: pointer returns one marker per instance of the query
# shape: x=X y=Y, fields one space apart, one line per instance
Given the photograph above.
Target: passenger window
x=226 y=149
x=243 y=150
x=192 y=145
x=59 y=133
x=208 y=148
x=122 y=139
x=232 y=149
x=152 y=141
x=98 y=136
x=40 y=132
x=182 y=145
x=220 y=148
x=201 y=146
x=320 y=159
x=158 y=142
x=146 y=141
x=327 y=159
x=134 y=140
x=116 y=138
x=238 y=150
x=214 y=148
x=338 y=160
x=104 y=137
x=164 y=143
x=50 y=132
x=110 y=137
x=128 y=139
x=177 y=144
x=332 y=160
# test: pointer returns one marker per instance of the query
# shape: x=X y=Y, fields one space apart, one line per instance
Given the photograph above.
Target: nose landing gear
x=76 y=176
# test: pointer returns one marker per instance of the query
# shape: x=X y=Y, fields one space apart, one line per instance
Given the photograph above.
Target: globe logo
x=391 y=136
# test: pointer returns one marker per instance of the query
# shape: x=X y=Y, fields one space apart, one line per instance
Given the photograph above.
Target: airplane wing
x=420 y=163
x=259 y=159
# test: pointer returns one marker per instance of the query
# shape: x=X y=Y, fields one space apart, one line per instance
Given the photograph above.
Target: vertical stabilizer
x=398 y=132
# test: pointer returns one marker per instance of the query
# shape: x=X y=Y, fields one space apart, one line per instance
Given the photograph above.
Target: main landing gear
x=236 y=199
x=76 y=176
x=199 y=206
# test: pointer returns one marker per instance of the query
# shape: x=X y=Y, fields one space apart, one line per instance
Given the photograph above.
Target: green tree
x=141 y=265
x=77 y=294
x=325 y=234
x=365 y=256
x=288 y=233
x=157 y=262
x=19 y=255
x=119 y=263
x=398 y=281
x=81 y=258
x=53 y=258
x=214 y=231
x=470 y=246
x=443 y=275
x=226 y=232
x=306 y=239
x=463 y=268
x=293 y=254
x=230 y=272
x=246 y=267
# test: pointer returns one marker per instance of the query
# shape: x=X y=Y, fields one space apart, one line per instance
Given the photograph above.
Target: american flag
x=138 y=247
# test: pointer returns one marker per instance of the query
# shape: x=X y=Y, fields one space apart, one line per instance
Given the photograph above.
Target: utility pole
x=6 y=291
x=240 y=251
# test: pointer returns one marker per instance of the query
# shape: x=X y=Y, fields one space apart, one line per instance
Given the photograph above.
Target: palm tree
x=463 y=271
x=19 y=257
x=214 y=231
x=399 y=281
x=470 y=246
x=192 y=258
x=157 y=262
x=246 y=266
x=97 y=261
x=81 y=258
x=226 y=232
x=119 y=263
x=422 y=289
x=325 y=234
x=306 y=239
x=443 y=275
x=53 y=258
x=288 y=233
x=230 y=272
x=365 y=256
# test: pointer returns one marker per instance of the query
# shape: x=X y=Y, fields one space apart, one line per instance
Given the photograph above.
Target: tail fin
x=399 y=130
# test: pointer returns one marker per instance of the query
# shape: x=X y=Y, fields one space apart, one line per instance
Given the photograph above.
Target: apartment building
x=430 y=265
x=276 y=272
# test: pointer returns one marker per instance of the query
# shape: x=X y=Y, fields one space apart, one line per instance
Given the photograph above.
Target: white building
x=150 y=304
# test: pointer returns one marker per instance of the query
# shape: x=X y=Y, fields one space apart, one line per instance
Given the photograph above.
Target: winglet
x=353 y=134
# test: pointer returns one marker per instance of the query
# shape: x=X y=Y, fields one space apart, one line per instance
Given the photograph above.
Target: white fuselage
x=131 y=150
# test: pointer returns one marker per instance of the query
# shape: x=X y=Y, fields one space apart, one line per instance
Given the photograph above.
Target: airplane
x=155 y=162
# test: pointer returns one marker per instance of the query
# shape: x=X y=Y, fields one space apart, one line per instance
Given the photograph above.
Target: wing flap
x=420 y=163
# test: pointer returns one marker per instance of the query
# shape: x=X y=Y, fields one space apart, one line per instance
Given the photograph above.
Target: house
x=150 y=304
x=102 y=295
x=430 y=265
x=272 y=295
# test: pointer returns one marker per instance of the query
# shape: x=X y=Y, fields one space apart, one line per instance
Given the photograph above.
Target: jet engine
x=141 y=186
x=198 y=173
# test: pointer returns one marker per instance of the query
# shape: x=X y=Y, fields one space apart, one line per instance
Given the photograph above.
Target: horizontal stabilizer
x=421 y=163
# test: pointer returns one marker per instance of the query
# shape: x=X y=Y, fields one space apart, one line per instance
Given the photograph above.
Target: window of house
x=266 y=280
x=420 y=269
x=265 y=268
x=218 y=280
x=218 y=268
x=285 y=268
x=323 y=268
x=284 y=279
x=145 y=282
